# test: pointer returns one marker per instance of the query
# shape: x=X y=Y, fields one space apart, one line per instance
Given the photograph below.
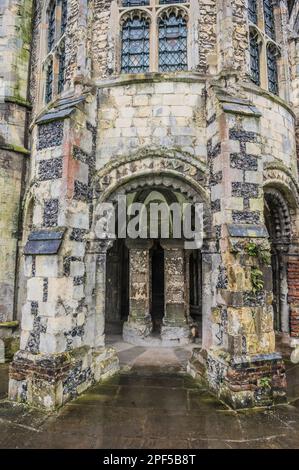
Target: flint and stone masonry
x=77 y=130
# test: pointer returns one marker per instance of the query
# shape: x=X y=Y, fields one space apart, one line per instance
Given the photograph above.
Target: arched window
x=254 y=57
x=135 y=44
x=252 y=11
x=154 y=35
x=269 y=18
x=272 y=54
x=172 y=42
x=263 y=48
x=55 y=59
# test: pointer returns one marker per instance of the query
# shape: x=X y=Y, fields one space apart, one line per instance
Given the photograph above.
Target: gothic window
x=154 y=35
x=63 y=15
x=55 y=56
x=263 y=47
x=135 y=44
x=49 y=81
x=252 y=11
x=272 y=68
x=172 y=42
x=61 y=72
x=269 y=18
x=255 y=57
x=51 y=25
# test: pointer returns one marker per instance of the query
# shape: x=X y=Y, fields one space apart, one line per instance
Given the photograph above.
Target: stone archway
x=139 y=178
x=281 y=194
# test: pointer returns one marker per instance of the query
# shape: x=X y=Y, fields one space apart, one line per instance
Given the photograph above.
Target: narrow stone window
x=269 y=18
x=49 y=82
x=172 y=42
x=254 y=57
x=61 y=72
x=55 y=59
x=51 y=25
x=272 y=54
x=63 y=16
x=252 y=11
x=135 y=44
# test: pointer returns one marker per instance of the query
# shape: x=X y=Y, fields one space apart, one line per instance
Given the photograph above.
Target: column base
x=9 y=340
x=50 y=380
x=137 y=331
x=241 y=382
x=175 y=335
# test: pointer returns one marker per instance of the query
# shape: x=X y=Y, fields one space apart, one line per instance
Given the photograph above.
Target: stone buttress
x=62 y=342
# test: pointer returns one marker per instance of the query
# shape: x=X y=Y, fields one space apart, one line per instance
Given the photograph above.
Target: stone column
x=101 y=248
x=139 y=325
x=239 y=363
x=175 y=329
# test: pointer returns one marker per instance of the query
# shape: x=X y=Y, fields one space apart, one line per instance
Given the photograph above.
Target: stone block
x=46 y=266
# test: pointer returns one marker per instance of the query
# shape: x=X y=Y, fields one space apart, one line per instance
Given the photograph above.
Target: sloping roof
x=62 y=109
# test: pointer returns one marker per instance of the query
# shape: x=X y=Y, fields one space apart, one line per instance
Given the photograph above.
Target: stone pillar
x=139 y=324
x=101 y=248
x=175 y=328
x=293 y=297
x=240 y=364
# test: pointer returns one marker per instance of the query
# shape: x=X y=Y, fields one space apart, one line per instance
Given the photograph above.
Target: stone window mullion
x=263 y=64
x=154 y=43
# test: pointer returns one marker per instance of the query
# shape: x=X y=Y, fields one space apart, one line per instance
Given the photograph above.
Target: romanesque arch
x=171 y=174
x=281 y=211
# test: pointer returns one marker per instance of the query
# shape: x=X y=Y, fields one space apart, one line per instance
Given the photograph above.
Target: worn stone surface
x=206 y=135
x=154 y=405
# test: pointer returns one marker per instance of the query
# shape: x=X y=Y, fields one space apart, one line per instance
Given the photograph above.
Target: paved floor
x=151 y=404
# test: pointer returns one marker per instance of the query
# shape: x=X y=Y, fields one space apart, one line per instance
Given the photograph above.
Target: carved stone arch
x=167 y=170
x=280 y=226
x=256 y=32
x=154 y=160
x=138 y=12
x=284 y=190
x=167 y=10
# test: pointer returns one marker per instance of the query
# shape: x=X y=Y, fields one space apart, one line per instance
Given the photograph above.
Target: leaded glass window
x=269 y=18
x=135 y=3
x=254 y=57
x=135 y=45
x=51 y=25
x=61 y=71
x=63 y=15
x=272 y=69
x=252 y=11
x=49 y=81
x=172 y=42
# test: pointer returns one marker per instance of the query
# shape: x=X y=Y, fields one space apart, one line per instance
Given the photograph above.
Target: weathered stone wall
x=10 y=187
x=147 y=113
x=15 y=37
x=277 y=129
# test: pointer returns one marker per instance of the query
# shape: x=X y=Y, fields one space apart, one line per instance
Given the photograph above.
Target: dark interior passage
x=117 y=287
x=157 y=304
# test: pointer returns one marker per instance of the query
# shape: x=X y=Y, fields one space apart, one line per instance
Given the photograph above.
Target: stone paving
x=151 y=404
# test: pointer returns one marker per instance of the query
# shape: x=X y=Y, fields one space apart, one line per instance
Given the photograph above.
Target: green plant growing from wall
x=257 y=279
x=258 y=251
x=265 y=382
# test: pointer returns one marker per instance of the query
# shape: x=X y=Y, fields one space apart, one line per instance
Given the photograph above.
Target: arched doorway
x=278 y=223
x=117 y=287
x=155 y=281
x=157 y=287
